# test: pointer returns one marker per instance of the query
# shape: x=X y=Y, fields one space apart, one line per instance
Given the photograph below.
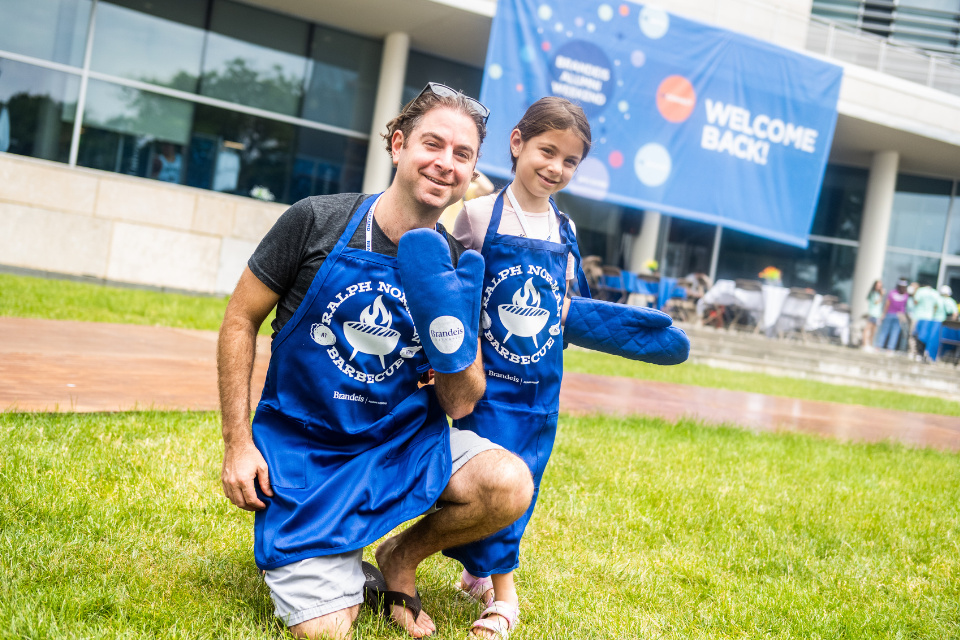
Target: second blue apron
x=352 y=446
x=524 y=288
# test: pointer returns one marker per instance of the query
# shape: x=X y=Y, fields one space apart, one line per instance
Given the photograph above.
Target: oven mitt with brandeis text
x=637 y=333
x=444 y=301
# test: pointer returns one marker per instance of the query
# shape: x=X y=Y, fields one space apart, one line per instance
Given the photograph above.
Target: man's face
x=436 y=164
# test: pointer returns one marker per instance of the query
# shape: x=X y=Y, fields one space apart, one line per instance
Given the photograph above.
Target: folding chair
x=610 y=286
x=796 y=310
x=750 y=293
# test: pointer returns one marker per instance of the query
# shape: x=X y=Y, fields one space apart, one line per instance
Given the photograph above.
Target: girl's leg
x=504 y=590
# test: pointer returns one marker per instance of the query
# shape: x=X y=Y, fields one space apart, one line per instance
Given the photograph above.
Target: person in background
x=874 y=313
x=925 y=302
x=894 y=312
x=479 y=186
x=947 y=310
x=167 y=165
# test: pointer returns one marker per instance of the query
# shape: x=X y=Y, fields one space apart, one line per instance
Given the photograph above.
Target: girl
x=531 y=256
x=874 y=313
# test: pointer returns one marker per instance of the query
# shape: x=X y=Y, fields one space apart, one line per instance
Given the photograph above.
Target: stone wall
x=84 y=222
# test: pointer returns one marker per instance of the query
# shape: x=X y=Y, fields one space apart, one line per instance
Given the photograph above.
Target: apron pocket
x=283 y=443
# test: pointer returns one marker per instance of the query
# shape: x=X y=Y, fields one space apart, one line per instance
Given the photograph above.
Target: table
x=663 y=290
x=929 y=331
x=767 y=306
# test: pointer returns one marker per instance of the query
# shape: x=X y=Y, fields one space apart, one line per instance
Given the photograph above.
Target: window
x=37 y=108
x=54 y=30
x=922 y=269
x=156 y=42
x=826 y=268
x=342 y=79
x=920 y=208
x=689 y=246
x=138 y=133
x=255 y=57
x=423 y=68
x=840 y=206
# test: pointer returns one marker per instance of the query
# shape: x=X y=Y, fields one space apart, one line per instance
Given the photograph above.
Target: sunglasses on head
x=444 y=91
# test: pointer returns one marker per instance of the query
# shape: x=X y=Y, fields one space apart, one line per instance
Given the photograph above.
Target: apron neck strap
x=522 y=217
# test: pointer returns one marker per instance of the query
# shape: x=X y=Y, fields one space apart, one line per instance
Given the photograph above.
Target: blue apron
x=522 y=346
x=352 y=446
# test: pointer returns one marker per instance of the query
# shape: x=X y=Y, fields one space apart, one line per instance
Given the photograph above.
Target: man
x=343 y=446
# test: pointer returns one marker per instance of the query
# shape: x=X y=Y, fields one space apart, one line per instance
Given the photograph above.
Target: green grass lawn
x=64 y=300
x=28 y=297
x=115 y=526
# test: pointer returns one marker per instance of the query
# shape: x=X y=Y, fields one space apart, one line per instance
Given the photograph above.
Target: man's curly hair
x=413 y=112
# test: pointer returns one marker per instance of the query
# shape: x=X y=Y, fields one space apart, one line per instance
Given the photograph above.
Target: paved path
x=52 y=365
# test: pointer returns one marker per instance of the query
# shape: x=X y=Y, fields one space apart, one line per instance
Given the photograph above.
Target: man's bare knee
x=333 y=626
x=514 y=487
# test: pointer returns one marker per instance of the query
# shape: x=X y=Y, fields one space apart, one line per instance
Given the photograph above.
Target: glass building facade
x=221 y=95
x=212 y=94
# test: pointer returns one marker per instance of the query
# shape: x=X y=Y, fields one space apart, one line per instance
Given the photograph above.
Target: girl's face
x=546 y=163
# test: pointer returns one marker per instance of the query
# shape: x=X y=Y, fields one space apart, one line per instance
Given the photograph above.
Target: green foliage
x=703 y=376
x=26 y=297
x=114 y=526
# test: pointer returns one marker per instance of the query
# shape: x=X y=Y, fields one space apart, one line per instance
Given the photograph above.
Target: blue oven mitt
x=637 y=333
x=444 y=302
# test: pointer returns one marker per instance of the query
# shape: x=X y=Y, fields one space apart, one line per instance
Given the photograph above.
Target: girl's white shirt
x=470 y=228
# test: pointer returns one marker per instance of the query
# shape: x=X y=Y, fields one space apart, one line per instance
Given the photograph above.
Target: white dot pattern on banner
x=495 y=71
x=605 y=12
x=654 y=22
x=637 y=58
x=592 y=180
x=652 y=164
x=578 y=21
x=623 y=106
x=558 y=27
x=544 y=12
x=591 y=27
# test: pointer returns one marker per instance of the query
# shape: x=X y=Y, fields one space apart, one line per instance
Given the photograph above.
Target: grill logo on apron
x=522 y=315
x=371 y=333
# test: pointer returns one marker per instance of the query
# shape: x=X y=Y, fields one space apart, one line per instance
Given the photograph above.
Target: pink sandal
x=509 y=616
x=475 y=588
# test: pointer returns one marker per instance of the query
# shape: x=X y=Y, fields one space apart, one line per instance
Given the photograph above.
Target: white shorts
x=314 y=587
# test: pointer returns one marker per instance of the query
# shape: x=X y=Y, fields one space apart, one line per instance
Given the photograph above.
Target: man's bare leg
x=333 y=626
x=491 y=491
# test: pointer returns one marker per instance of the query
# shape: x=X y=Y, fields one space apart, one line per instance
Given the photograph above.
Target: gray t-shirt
x=291 y=253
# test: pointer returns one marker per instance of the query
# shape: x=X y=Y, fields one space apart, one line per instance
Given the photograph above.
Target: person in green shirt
x=947 y=309
x=923 y=305
x=926 y=300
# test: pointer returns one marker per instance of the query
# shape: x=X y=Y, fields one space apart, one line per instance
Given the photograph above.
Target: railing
x=924 y=27
x=845 y=43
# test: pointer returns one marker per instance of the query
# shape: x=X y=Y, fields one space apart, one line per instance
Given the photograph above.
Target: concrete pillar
x=393 y=70
x=645 y=246
x=874 y=227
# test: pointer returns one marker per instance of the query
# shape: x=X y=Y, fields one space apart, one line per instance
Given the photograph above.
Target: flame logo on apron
x=372 y=334
x=523 y=319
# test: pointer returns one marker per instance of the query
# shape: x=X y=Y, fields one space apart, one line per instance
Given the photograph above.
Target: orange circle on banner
x=624 y=10
x=676 y=98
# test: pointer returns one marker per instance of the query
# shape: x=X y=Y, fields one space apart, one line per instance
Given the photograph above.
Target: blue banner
x=687 y=119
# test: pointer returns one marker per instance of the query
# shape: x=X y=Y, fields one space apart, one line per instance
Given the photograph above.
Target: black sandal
x=377 y=597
